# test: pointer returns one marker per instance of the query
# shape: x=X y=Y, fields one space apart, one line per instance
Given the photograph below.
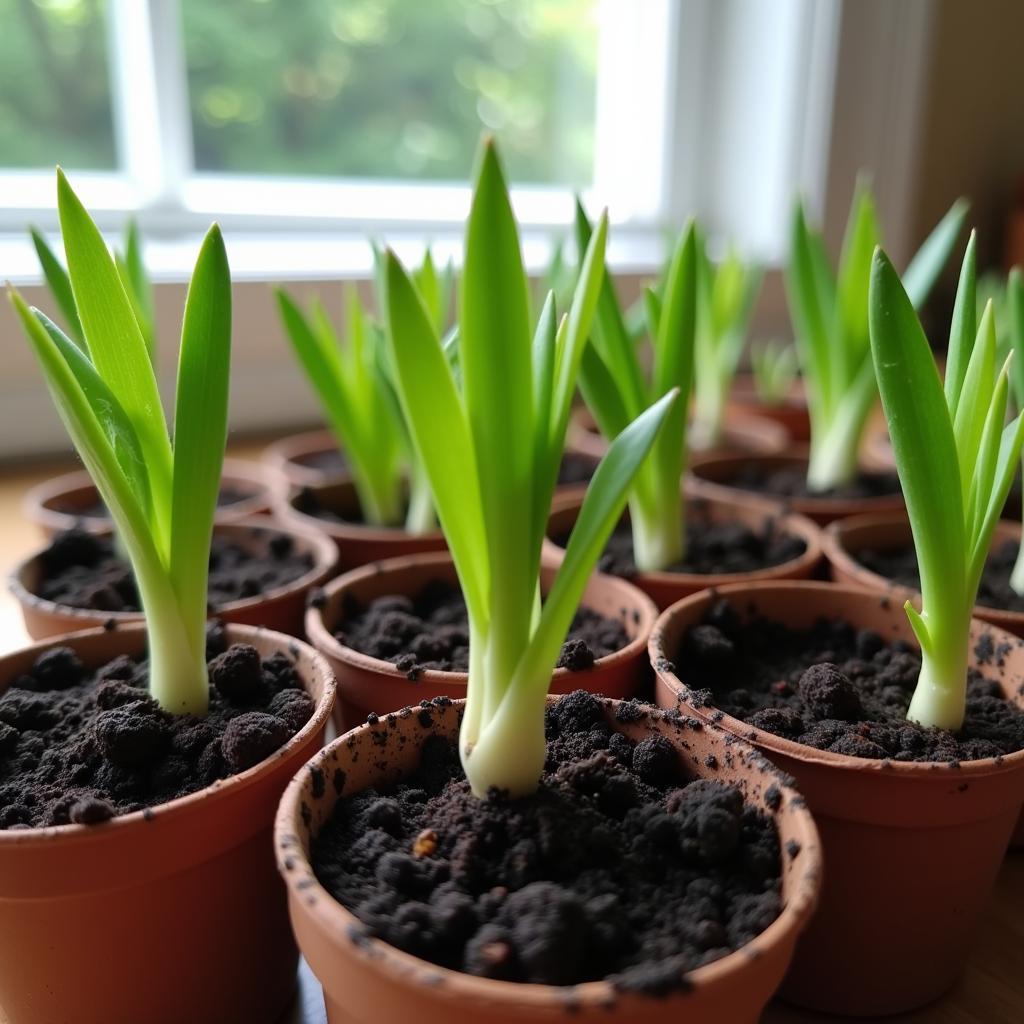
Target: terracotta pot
x=367 y=981
x=357 y=543
x=298 y=461
x=368 y=684
x=282 y=608
x=664 y=588
x=845 y=538
x=168 y=915
x=912 y=850
x=790 y=414
x=57 y=504
x=741 y=433
x=711 y=476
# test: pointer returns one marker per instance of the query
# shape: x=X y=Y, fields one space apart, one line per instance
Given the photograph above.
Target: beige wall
x=972 y=135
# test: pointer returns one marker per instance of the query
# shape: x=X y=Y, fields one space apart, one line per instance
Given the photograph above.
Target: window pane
x=54 y=85
x=392 y=88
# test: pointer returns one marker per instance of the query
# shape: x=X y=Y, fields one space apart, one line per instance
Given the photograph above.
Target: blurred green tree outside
x=54 y=85
x=392 y=88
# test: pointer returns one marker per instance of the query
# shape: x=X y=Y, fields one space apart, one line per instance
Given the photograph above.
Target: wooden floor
x=991 y=990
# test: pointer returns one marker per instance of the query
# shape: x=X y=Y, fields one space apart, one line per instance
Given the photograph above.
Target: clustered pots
x=368 y=684
x=167 y=914
x=366 y=980
x=926 y=838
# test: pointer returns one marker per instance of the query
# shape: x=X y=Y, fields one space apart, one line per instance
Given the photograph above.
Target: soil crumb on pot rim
x=712 y=548
x=836 y=688
x=532 y=890
x=79 y=746
x=430 y=632
x=899 y=564
x=82 y=570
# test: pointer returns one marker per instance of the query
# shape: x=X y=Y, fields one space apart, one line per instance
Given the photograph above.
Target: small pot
x=912 y=850
x=664 y=588
x=306 y=460
x=843 y=539
x=166 y=915
x=791 y=413
x=63 y=501
x=282 y=608
x=367 y=981
x=740 y=433
x=711 y=476
x=357 y=543
x=368 y=684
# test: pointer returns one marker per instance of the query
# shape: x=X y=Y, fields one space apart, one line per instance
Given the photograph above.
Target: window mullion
x=150 y=93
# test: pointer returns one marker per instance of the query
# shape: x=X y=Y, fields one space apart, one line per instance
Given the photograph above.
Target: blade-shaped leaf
x=923 y=270
x=963 y=328
x=59 y=284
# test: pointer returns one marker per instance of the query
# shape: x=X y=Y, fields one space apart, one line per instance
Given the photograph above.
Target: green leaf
x=963 y=328
x=59 y=284
x=200 y=424
x=923 y=270
x=915 y=409
x=116 y=346
x=140 y=288
x=854 y=274
x=440 y=433
x=975 y=398
x=1015 y=316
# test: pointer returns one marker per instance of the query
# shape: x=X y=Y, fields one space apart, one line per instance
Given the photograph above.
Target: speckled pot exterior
x=281 y=609
x=911 y=850
x=164 y=916
x=665 y=588
x=357 y=543
x=711 y=476
x=368 y=684
x=367 y=981
x=52 y=503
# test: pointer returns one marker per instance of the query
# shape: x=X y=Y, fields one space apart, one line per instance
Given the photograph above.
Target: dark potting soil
x=899 y=564
x=82 y=570
x=97 y=510
x=431 y=632
x=331 y=462
x=310 y=502
x=616 y=868
x=711 y=549
x=791 y=482
x=576 y=468
x=837 y=688
x=80 y=746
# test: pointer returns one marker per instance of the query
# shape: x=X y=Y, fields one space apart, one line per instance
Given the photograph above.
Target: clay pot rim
x=743 y=394
x=834 y=541
x=283 y=504
x=324 y=640
x=334 y=919
x=325 y=557
x=795 y=454
x=282 y=457
x=250 y=475
x=794 y=524
x=905 y=770
x=220 y=790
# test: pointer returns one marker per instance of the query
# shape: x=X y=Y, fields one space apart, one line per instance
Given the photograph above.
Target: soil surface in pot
x=791 y=482
x=80 y=746
x=899 y=564
x=711 y=549
x=82 y=570
x=97 y=510
x=431 y=631
x=837 y=688
x=617 y=867
x=576 y=468
x=331 y=462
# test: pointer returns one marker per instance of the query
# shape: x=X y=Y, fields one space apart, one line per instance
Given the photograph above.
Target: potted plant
x=666 y=549
x=829 y=312
x=72 y=499
x=396 y=633
x=491 y=905
x=139 y=769
x=911 y=754
x=772 y=389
